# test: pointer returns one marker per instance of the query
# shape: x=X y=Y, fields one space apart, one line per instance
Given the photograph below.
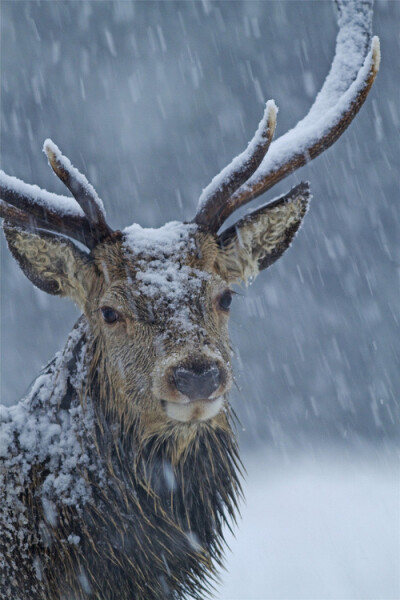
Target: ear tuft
x=257 y=240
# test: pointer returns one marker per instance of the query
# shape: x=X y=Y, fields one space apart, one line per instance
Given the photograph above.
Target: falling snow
x=150 y=101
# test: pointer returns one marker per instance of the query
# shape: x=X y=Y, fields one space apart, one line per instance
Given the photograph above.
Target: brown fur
x=161 y=487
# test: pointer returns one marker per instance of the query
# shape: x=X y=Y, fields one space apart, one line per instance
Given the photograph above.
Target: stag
x=120 y=469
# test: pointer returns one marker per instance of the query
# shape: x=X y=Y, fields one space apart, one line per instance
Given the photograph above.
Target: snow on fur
x=162 y=274
x=37 y=431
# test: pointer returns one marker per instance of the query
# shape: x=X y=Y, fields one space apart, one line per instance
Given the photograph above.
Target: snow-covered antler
x=341 y=97
x=240 y=169
x=32 y=208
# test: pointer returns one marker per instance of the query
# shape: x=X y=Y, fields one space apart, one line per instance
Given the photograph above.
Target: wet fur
x=153 y=527
x=154 y=530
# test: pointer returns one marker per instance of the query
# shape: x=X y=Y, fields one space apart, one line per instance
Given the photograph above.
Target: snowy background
x=150 y=100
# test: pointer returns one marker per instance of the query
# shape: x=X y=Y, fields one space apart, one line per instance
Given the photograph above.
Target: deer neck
x=157 y=508
x=183 y=483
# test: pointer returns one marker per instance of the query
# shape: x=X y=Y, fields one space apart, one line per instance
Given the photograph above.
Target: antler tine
x=80 y=188
x=216 y=195
x=83 y=192
x=33 y=208
x=339 y=100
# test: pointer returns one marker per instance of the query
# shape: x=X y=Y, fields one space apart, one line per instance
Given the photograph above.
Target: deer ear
x=51 y=262
x=261 y=237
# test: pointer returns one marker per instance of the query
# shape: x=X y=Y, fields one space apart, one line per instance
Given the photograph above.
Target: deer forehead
x=162 y=268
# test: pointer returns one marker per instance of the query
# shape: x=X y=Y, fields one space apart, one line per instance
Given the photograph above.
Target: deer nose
x=197 y=382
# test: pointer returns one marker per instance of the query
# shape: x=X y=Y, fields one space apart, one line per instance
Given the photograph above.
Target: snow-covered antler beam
x=307 y=140
x=32 y=208
x=341 y=97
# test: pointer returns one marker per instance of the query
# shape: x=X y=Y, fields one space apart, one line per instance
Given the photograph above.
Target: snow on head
x=171 y=238
x=162 y=273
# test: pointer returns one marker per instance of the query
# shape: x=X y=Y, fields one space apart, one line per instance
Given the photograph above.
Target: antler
x=242 y=167
x=341 y=97
x=32 y=208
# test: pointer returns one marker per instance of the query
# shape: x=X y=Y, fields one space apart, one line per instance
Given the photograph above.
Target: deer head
x=154 y=356
x=157 y=301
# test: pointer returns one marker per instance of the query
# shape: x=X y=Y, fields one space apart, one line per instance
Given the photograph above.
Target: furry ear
x=261 y=237
x=52 y=263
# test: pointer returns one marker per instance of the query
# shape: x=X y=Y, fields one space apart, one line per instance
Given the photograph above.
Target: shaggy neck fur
x=149 y=524
x=165 y=503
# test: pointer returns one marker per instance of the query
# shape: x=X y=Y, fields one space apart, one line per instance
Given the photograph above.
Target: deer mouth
x=201 y=409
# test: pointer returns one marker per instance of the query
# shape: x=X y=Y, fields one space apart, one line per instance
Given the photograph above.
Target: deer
x=120 y=469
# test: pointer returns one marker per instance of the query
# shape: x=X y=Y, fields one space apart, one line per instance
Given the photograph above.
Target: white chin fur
x=198 y=410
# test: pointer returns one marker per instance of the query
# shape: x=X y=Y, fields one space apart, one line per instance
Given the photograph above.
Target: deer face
x=161 y=314
x=158 y=303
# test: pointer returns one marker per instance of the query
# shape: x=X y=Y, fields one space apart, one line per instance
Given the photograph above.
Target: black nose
x=198 y=381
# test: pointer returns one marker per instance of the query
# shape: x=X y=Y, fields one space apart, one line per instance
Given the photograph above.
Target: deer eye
x=109 y=314
x=225 y=300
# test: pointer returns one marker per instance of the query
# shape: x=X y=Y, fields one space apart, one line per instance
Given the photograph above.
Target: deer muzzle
x=193 y=389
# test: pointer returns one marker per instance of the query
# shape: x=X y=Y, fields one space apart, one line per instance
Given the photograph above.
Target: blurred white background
x=317 y=527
